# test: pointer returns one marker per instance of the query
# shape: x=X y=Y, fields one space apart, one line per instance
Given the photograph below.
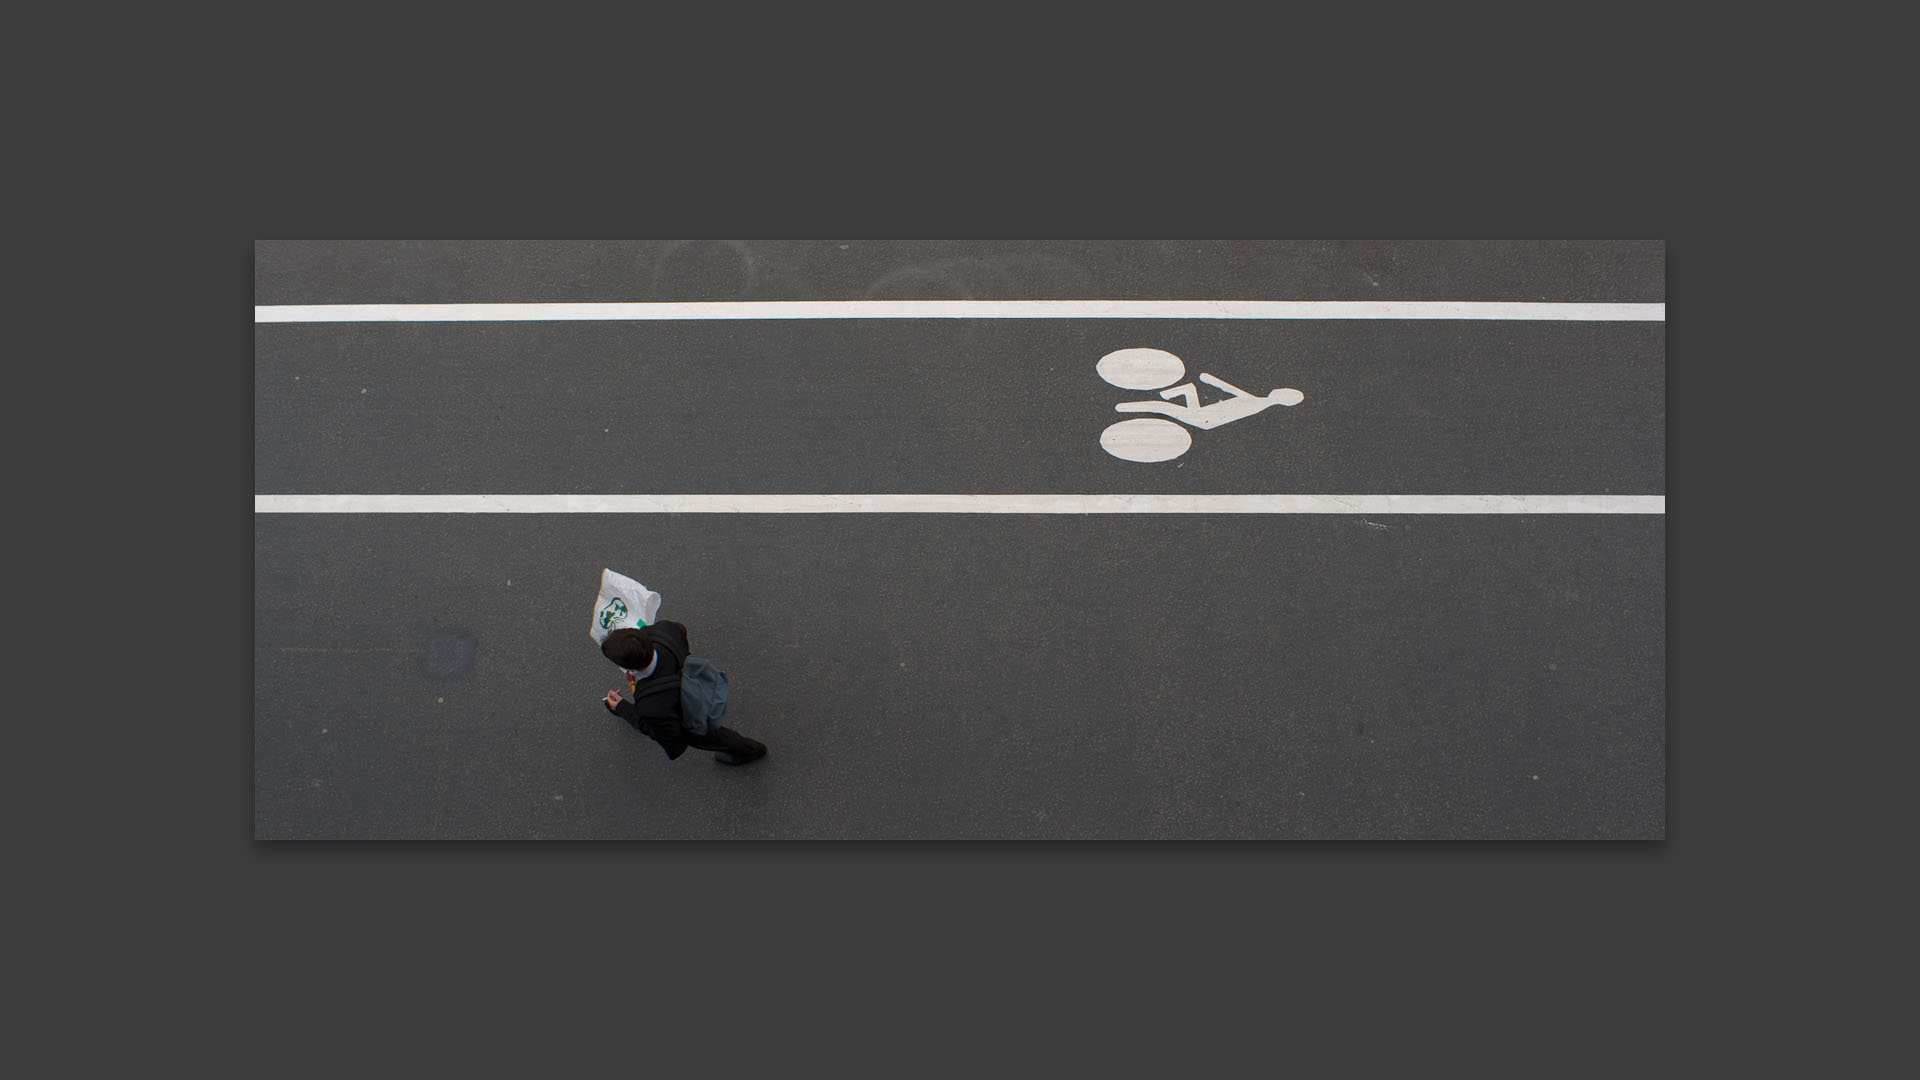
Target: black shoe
x=757 y=751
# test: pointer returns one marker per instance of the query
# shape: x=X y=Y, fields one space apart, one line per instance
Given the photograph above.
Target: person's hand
x=613 y=699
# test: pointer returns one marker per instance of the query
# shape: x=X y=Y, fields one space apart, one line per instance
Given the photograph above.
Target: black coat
x=654 y=708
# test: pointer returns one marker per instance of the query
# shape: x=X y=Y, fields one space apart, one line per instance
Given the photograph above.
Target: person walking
x=652 y=657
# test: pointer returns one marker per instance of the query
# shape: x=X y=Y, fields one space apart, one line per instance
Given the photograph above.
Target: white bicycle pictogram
x=1150 y=439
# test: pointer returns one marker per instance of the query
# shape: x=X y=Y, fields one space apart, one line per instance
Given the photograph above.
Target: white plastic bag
x=623 y=602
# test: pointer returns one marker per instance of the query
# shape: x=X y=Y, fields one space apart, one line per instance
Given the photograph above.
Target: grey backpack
x=703 y=695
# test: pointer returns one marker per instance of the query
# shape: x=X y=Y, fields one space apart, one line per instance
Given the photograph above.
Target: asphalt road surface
x=963 y=675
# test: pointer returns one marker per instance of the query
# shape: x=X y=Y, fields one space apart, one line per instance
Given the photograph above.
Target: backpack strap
x=653 y=688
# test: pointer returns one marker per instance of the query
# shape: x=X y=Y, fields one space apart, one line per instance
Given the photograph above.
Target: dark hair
x=629 y=646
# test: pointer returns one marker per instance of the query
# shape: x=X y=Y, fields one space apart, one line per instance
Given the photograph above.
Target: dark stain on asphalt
x=449 y=655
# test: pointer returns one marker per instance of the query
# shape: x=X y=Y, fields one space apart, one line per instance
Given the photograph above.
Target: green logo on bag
x=615 y=610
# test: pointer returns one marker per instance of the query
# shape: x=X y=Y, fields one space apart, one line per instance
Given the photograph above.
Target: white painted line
x=959 y=504
x=964 y=309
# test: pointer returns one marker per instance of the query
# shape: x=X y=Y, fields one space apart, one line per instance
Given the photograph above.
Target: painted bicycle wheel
x=1146 y=439
x=1141 y=369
